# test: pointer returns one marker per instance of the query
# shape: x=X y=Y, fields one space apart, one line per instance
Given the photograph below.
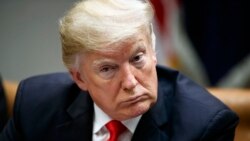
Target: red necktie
x=115 y=129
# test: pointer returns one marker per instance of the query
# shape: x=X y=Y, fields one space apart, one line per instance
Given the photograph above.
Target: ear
x=154 y=58
x=79 y=80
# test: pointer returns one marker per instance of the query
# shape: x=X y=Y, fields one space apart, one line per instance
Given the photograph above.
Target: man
x=108 y=49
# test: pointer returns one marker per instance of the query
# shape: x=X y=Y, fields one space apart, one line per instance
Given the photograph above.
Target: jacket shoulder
x=43 y=101
x=192 y=106
x=46 y=86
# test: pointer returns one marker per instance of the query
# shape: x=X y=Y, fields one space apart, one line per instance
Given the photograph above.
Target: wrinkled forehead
x=122 y=49
x=117 y=54
x=139 y=39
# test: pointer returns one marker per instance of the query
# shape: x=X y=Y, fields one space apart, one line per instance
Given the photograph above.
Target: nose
x=129 y=81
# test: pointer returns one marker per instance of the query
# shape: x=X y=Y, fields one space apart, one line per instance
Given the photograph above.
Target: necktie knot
x=116 y=128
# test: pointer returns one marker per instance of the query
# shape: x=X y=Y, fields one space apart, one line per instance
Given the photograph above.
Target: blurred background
x=29 y=37
x=206 y=40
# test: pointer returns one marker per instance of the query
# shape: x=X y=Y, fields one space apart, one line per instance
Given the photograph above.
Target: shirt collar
x=101 y=118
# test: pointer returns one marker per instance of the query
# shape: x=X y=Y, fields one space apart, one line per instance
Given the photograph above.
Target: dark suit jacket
x=52 y=107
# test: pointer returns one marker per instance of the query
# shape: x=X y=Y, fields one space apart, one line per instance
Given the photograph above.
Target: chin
x=135 y=110
x=140 y=108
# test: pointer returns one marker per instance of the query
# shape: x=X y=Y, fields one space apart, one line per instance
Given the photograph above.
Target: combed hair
x=92 y=25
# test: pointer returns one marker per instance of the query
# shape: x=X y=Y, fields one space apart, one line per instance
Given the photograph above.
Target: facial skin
x=122 y=82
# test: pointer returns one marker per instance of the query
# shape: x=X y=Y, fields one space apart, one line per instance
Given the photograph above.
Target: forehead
x=116 y=53
x=120 y=49
x=140 y=39
x=126 y=43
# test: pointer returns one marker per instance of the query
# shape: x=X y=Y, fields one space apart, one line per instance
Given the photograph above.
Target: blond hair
x=94 y=24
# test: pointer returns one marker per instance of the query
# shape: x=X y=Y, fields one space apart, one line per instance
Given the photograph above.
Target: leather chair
x=239 y=101
x=10 y=89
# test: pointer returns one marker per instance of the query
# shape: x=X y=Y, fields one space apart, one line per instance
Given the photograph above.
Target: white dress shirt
x=101 y=133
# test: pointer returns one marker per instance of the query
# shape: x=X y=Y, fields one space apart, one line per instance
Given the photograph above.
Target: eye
x=139 y=59
x=107 y=71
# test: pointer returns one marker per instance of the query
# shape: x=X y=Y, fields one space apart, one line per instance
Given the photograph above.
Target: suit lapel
x=81 y=124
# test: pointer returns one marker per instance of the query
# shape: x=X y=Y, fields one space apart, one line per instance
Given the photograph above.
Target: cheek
x=104 y=91
x=100 y=89
x=100 y=97
x=149 y=69
x=149 y=78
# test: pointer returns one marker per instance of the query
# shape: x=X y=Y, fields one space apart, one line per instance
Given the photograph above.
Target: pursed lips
x=136 y=98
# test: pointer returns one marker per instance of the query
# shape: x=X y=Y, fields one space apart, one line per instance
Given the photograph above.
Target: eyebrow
x=139 y=47
x=97 y=63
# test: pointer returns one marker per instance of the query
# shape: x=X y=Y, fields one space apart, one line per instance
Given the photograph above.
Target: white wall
x=29 y=38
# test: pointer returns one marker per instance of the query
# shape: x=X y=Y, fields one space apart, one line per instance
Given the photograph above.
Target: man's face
x=122 y=82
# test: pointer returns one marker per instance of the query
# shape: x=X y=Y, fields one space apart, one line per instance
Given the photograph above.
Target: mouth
x=135 y=99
